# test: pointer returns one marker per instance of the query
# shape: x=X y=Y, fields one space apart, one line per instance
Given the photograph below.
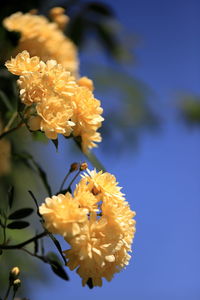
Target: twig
x=20 y=245
x=11 y=130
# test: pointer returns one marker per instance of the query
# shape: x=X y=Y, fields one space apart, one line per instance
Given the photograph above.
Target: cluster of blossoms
x=43 y=38
x=96 y=221
x=98 y=224
x=56 y=102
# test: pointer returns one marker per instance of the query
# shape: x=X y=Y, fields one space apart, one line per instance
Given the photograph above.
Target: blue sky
x=160 y=179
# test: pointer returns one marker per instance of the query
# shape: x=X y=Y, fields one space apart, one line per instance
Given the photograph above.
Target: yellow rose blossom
x=85 y=198
x=54 y=116
x=44 y=39
x=104 y=183
x=87 y=117
x=23 y=64
x=62 y=215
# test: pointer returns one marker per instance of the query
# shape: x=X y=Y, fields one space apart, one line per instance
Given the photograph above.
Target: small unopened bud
x=95 y=191
x=16 y=284
x=14 y=273
x=83 y=166
x=74 y=167
x=33 y=11
x=86 y=82
x=56 y=11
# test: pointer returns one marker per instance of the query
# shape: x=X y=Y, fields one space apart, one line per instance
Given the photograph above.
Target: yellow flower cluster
x=98 y=224
x=43 y=38
x=56 y=101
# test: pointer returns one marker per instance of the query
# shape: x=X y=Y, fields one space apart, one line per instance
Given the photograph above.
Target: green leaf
x=18 y=225
x=21 y=213
x=57 y=244
x=56 y=266
x=55 y=142
x=11 y=196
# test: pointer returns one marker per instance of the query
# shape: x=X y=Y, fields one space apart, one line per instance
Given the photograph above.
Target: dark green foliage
x=57 y=244
x=20 y=213
x=18 y=225
x=56 y=265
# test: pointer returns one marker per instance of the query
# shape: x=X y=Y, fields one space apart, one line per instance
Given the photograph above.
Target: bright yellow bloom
x=85 y=198
x=54 y=117
x=44 y=39
x=58 y=105
x=105 y=185
x=87 y=117
x=62 y=215
x=23 y=64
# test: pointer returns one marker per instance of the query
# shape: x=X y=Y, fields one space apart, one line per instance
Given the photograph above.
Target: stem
x=20 y=245
x=7 y=127
x=35 y=255
x=74 y=179
x=91 y=157
x=7 y=292
x=4 y=231
x=63 y=182
x=11 y=130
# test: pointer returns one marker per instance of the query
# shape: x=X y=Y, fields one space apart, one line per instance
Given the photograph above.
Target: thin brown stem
x=11 y=130
x=77 y=174
x=34 y=254
x=7 y=292
x=64 y=180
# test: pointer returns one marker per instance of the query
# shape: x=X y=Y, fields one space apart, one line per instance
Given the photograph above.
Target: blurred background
x=144 y=58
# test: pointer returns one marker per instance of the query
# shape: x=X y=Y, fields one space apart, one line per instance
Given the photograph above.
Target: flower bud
x=74 y=167
x=16 y=284
x=14 y=273
x=85 y=81
x=83 y=166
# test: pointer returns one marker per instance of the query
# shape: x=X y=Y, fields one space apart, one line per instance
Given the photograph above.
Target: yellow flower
x=62 y=215
x=54 y=118
x=87 y=117
x=105 y=185
x=85 y=198
x=44 y=39
x=23 y=64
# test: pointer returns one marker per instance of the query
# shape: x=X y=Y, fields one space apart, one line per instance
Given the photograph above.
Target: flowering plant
x=52 y=99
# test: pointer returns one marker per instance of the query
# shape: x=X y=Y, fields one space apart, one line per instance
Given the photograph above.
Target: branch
x=11 y=130
x=20 y=245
